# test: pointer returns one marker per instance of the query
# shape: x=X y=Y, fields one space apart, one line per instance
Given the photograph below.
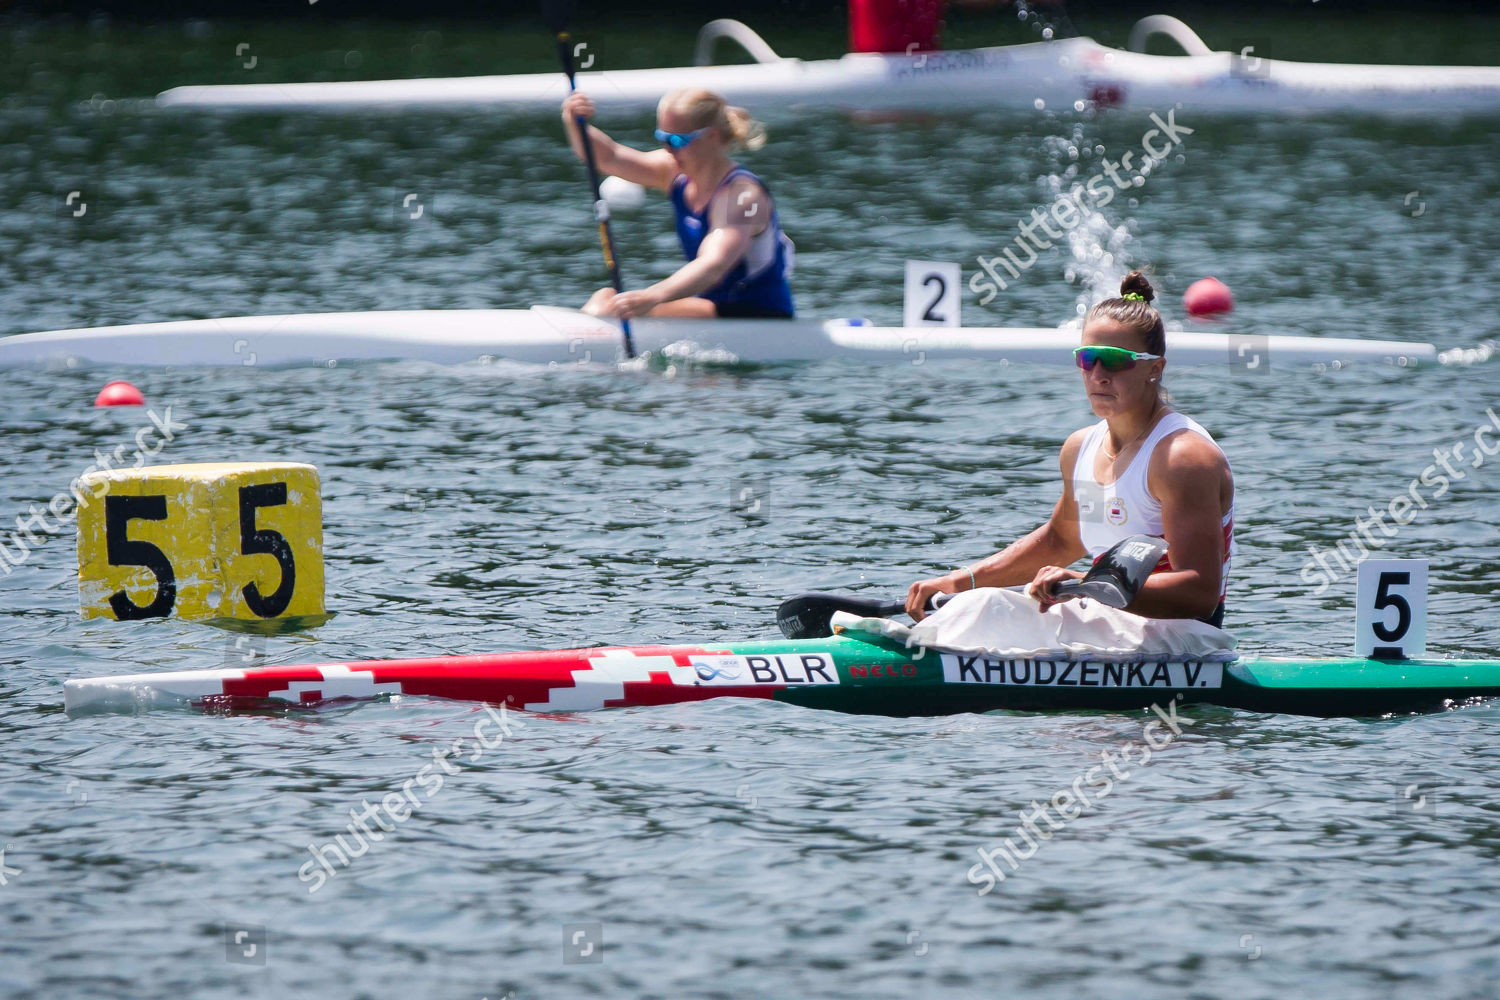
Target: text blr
x=781 y=670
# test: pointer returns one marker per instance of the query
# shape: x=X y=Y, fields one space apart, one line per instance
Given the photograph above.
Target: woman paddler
x=1143 y=468
x=738 y=258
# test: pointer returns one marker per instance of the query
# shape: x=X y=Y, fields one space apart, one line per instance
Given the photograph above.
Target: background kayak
x=554 y=336
x=1072 y=73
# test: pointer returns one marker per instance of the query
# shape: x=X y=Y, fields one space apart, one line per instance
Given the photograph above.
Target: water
x=730 y=849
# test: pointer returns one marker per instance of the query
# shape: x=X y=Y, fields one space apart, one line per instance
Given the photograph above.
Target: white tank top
x=1111 y=512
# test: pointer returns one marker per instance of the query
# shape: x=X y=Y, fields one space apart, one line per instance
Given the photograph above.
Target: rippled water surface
x=728 y=849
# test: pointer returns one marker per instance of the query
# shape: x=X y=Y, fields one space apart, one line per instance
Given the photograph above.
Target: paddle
x=809 y=616
x=558 y=14
x=1117 y=576
x=1114 y=580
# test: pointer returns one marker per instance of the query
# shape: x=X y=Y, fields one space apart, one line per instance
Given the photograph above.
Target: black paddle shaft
x=558 y=14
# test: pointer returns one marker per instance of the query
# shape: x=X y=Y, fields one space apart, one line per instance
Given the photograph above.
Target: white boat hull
x=1064 y=74
x=548 y=335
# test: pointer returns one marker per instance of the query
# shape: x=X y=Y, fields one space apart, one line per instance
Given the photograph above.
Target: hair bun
x=1137 y=282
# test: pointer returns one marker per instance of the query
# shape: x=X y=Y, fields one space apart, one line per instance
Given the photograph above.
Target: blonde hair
x=705 y=109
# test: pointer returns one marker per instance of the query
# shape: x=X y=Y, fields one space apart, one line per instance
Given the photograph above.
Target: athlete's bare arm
x=653 y=168
x=1055 y=542
x=1192 y=480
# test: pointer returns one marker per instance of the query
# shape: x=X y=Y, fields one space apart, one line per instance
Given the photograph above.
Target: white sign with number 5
x=1390 y=614
x=932 y=293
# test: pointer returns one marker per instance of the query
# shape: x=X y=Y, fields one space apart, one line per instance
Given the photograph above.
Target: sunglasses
x=1114 y=359
x=678 y=140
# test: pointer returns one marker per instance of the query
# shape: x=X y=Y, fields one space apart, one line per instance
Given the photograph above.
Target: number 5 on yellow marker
x=218 y=540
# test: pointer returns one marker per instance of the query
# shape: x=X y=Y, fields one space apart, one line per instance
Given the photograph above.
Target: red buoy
x=119 y=393
x=1207 y=297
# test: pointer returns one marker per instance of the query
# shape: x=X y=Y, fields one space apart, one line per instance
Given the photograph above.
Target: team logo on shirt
x=1114 y=511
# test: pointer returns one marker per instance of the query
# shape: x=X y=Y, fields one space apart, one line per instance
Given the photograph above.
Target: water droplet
x=1047 y=34
x=1039 y=104
x=1079 y=105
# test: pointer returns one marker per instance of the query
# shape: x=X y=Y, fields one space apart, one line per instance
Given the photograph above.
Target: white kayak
x=1067 y=74
x=550 y=335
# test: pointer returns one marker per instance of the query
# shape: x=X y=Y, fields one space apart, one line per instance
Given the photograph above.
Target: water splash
x=1050 y=24
x=1097 y=246
x=1466 y=356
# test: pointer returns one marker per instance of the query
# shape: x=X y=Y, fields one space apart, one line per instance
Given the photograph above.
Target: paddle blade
x=809 y=616
x=1107 y=592
x=557 y=15
x=1119 y=574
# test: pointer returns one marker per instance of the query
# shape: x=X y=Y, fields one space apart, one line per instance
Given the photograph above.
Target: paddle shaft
x=1114 y=580
x=601 y=207
x=938 y=600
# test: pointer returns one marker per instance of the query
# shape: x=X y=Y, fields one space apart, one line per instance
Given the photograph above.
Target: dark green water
x=728 y=849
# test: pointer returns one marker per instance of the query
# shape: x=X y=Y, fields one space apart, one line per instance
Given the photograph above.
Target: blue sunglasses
x=678 y=140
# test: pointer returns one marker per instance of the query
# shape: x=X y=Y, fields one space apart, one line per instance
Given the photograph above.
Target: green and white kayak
x=844 y=673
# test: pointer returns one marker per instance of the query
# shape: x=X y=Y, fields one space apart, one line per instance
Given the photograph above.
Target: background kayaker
x=739 y=261
x=1143 y=469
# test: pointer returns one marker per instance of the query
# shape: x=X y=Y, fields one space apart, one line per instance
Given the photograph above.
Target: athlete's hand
x=600 y=303
x=628 y=305
x=578 y=105
x=1040 y=587
x=919 y=594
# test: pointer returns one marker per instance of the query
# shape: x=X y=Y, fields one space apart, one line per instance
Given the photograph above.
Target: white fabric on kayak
x=1006 y=624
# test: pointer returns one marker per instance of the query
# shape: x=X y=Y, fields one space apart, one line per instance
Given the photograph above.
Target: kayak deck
x=842 y=673
x=1362 y=687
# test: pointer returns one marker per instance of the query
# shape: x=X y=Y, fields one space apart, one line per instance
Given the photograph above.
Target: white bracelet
x=973 y=583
